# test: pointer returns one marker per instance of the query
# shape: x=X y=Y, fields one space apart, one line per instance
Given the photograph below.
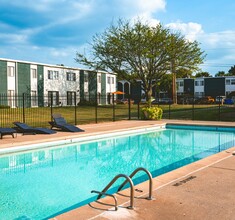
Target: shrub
x=151 y=113
x=4 y=106
x=86 y=103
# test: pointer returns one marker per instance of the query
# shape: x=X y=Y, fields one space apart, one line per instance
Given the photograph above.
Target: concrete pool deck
x=201 y=190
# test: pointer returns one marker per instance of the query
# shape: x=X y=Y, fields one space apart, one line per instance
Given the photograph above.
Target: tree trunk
x=148 y=95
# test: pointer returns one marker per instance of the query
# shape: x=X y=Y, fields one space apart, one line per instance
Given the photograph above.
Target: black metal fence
x=38 y=111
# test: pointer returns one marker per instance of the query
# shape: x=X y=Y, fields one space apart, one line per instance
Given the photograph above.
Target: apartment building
x=206 y=86
x=46 y=84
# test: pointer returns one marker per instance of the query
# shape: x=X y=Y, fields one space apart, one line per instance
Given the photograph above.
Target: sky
x=52 y=31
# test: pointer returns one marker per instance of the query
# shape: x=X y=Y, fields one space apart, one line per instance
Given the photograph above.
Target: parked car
x=205 y=100
x=162 y=101
x=124 y=101
x=228 y=101
x=220 y=99
x=186 y=100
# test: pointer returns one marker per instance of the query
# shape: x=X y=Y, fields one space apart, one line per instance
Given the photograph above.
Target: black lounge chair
x=60 y=122
x=25 y=129
x=7 y=131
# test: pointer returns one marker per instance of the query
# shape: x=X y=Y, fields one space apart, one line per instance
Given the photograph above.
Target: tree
x=220 y=73
x=203 y=74
x=231 y=71
x=138 y=51
x=184 y=55
x=184 y=73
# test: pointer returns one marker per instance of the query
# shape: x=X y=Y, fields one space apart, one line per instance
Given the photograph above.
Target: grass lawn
x=40 y=116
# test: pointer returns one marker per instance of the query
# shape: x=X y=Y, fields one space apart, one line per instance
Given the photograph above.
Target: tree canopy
x=202 y=74
x=139 y=51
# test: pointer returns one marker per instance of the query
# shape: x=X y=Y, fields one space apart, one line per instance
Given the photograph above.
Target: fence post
x=220 y=100
x=23 y=107
x=129 y=107
x=193 y=108
x=138 y=111
x=96 y=108
x=113 y=107
x=51 y=105
x=169 y=111
x=75 y=108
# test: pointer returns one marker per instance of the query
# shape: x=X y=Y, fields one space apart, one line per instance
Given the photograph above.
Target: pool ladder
x=128 y=180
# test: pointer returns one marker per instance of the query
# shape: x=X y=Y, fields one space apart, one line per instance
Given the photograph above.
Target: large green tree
x=139 y=51
x=203 y=74
x=231 y=71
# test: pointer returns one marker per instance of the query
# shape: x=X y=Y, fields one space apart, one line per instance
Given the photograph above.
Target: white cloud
x=14 y=38
x=191 y=30
x=149 y=6
x=143 y=10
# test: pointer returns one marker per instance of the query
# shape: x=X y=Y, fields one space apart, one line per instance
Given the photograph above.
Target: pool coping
x=80 y=139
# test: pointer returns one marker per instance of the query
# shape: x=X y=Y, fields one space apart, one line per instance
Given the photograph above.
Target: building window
x=56 y=75
x=227 y=81
x=199 y=83
x=34 y=73
x=11 y=98
x=70 y=98
x=53 y=74
x=34 y=98
x=108 y=80
x=181 y=83
x=53 y=98
x=50 y=74
x=99 y=79
x=112 y=80
x=85 y=77
x=70 y=76
x=11 y=71
x=232 y=81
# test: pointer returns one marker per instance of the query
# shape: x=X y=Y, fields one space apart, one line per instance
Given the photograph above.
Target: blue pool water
x=43 y=183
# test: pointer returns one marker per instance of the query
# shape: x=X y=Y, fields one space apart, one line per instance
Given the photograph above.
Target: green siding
x=3 y=77
x=103 y=88
x=40 y=78
x=189 y=86
x=92 y=85
x=82 y=84
x=23 y=78
x=24 y=85
x=214 y=86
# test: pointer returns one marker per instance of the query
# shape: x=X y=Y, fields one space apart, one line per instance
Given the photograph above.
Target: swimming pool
x=43 y=183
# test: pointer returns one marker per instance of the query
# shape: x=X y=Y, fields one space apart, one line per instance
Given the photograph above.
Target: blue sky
x=51 y=31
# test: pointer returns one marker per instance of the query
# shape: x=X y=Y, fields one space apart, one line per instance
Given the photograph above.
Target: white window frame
x=34 y=73
x=11 y=71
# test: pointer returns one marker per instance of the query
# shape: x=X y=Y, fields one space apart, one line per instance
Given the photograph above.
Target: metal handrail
x=150 y=181
x=106 y=194
x=128 y=179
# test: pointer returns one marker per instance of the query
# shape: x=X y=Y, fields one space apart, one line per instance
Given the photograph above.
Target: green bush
x=4 y=106
x=151 y=113
x=86 y=103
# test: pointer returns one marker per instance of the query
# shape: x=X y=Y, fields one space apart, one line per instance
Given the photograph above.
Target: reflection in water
x=38 y=184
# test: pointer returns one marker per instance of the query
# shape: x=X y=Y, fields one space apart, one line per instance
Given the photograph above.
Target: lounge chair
x=25 y=129
x=7 y=131
x=60 y=122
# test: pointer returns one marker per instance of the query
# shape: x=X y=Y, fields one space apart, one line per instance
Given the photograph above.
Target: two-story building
x=53 y=84
x=206 y=86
